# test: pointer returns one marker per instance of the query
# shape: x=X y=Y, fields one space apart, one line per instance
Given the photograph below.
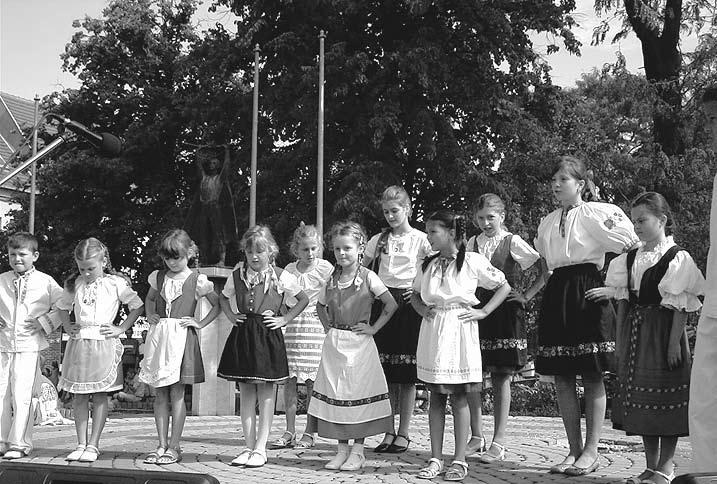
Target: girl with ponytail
x=576 y=334
x=448 y=358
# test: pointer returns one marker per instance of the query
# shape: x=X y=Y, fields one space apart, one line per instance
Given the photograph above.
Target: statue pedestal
x=216 y=396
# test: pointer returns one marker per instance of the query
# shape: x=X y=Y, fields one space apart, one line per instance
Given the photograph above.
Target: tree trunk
x=663 y=65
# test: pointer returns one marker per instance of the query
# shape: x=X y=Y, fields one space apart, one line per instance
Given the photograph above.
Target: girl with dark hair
x=576 y=334
x=173 y=358
x=656 y=286
x=448 y=357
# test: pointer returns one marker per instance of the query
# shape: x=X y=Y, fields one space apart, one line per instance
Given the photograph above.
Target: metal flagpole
x=320 y=142
x=254 y=132
x=33 y=178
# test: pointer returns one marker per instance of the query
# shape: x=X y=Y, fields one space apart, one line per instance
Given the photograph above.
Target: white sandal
x=75 y=455
x=432 y=470
x=636 y=479
x=488 y=458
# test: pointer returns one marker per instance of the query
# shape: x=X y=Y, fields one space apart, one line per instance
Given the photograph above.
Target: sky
x=33 y=34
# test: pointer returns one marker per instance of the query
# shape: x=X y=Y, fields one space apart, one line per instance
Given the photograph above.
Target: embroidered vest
x=255 y=300
x=649 y=293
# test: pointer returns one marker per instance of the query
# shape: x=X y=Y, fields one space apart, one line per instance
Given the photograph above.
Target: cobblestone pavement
x=210 y=443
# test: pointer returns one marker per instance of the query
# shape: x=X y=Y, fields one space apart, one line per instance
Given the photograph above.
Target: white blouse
x=172 y=288
x=96 y=304
x=286 y=284
x=679 y=287
x=313 y=280
x=591 y=229
x=520 y=250
x=403 y=253
x=444 y=288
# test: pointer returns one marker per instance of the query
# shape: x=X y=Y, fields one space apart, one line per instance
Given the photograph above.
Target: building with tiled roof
x=16 y=115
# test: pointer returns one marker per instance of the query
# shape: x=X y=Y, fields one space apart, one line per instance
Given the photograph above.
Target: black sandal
x=398 y=449
x=384 y=446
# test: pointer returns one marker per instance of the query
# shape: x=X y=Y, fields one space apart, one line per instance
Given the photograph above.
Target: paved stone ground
x=210 y=443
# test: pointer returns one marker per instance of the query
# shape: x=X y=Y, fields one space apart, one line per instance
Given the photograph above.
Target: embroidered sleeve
x=522 y=252
x=608 y=225
x=617 y=277
x=682 y=283
x=375 y=285
x=126 y=294
x=487 y=275
x=51 y=320
x=152 y=280
x=204 y=286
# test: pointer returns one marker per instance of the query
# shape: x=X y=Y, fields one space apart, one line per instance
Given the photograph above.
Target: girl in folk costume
x=172 y=355
x=304 y=336
x=350 y=399
x=502 y=334
x=448 y=357
x=575 y=334
x=656 y=286
x=92 y=362
x=394 y=255
x=254 y=354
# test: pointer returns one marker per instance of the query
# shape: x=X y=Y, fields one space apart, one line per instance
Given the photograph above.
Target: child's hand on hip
x=239 y=318
x=110 y=331
x=472 y=314
x=274 y=322
x=364 y=328
x=407 y=294
x=188 y=321
x=32 y=325
x=71 y=328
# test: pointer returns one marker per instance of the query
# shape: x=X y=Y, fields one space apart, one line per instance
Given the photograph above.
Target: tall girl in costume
x=502 y=334
x=254 y=354
x=656 y=286
x=394 y=255
x=350 y=398
x=172 y=356
x=576 y=335
x=304 y=336
x=448 y=356
x=92 y=362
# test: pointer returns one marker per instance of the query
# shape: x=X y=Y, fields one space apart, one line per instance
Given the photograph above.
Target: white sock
x=357 y=448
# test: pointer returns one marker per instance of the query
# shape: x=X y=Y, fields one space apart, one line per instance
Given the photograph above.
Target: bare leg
x=406 y=403
x=265 y=394
x=161 y=415
x=461 y=418
x=81 y=411
x=247 y=409
x=501 y=399
x=437 y=423
x=99 y=417
x=475 y=407
x=652 y=451
x=666 y=464
x=595 y=403
x=309 y=389
x=569 y=406
x=393 y=395
x=290 y=404
x=179 y=413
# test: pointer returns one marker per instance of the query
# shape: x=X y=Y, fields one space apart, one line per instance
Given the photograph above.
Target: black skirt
x=398 y=339
x=254 y=353
x=575 y=336
x=192 y=369
x=503 y=341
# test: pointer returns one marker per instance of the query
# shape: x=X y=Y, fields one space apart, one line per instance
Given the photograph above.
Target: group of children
x=399 y=308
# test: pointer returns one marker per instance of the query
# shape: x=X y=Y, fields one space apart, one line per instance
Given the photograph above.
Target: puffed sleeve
x=321 y=298
x=324 y=269
x=289 y=283
x=609 y=226
x=67 y=300
x=522 y=252
x=229 y=290
x=126 y=294
x=487 y=275
x=375 y=285
x=204 y=286
x=425 y=250
x=418 y=279
x=617 y=277
x=370 y=250
x=152 y=279
x=471 y=244
x=682 y=283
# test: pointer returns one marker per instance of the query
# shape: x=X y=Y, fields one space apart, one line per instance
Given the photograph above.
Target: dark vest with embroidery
x=649 y=293
x=187 y=301
x=255 y=300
